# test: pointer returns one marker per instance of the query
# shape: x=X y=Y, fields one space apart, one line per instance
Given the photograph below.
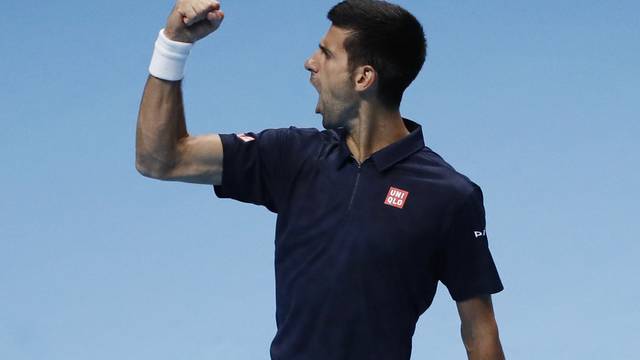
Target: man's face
x=337 y=99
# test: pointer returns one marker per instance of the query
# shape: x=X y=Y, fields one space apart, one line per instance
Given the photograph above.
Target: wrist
x=171 y=35
x=169 y=58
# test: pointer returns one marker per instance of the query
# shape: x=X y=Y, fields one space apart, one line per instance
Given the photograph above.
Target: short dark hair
x=385 y=36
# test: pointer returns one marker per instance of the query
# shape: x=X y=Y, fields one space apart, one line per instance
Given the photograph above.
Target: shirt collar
x=390 y=154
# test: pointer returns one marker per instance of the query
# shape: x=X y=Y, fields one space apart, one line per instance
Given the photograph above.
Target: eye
x=325 y=52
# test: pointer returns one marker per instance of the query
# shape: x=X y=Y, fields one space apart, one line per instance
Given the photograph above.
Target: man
x=369 y=218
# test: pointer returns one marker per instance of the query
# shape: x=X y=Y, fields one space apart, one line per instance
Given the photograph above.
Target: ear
x=365 y=77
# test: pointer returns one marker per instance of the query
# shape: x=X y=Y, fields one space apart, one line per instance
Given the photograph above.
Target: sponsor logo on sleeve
x=396 y=197
x=244 y=137
x=480 y=233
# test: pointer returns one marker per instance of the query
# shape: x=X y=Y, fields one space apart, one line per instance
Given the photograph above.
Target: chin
x=328 y=123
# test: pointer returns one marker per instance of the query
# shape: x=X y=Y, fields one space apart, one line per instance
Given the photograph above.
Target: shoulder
x=309 y=140
x=450 y=180
x=311 y=134
x=294 y=133
x=284 y=136
x=295 y=144
x=460 y=198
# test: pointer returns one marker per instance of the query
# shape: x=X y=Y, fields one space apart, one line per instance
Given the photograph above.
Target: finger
x=200 y=10
x=203 y=28
x=215 y=16
x=197 y=11
x=196 y=15
x=188 y=14
x=212 y=4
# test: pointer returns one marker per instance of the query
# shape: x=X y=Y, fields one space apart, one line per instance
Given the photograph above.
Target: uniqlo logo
x=245 y=137
x=396 y=197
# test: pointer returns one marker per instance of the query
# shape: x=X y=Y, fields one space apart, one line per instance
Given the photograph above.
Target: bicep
x=198 y=160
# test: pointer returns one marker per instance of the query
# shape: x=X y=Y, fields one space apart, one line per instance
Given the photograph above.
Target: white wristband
x=169 y=58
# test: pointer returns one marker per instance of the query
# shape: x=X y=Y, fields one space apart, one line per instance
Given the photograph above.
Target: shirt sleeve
x=258 y=167
x=465 y=265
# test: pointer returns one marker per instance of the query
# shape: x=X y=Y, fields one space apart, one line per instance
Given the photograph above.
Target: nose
x=309 y=65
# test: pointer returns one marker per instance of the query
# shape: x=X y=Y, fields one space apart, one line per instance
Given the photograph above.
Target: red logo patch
x=396 y=197
x=245 y=137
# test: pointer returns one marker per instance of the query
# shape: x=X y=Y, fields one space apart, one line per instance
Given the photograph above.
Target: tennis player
x=369 y=218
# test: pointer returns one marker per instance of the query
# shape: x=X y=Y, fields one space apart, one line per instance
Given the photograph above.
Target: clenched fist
x=191 y=20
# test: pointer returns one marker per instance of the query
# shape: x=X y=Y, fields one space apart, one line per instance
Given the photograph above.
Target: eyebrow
x=325 y=49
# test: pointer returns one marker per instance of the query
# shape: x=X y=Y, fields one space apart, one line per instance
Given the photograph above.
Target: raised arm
x=479 y=329
x=164 y=149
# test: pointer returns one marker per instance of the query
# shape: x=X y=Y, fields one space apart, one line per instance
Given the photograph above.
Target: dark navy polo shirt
x=359 y=248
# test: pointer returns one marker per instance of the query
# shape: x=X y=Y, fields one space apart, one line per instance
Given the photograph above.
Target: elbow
x=150 y=169
x=143 y=170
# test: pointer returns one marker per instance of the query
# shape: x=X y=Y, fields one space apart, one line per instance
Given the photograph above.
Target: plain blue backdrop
x=537 y=102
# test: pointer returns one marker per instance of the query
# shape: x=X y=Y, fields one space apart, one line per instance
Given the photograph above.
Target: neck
x=373 y=129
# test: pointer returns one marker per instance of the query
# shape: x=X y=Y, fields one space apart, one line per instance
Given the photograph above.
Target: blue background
x=537 y=102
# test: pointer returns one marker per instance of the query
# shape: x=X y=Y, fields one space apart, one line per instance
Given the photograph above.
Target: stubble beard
x=337 y=115
x=337 y=110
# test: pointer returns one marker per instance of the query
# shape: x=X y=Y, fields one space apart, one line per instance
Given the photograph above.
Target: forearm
x=161 y=123
x=482 y=343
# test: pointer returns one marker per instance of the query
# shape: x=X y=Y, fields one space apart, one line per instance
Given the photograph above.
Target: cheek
x=343 y=88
